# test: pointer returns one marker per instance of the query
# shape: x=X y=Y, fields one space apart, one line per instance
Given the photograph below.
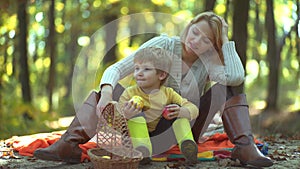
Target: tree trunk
x=1 y=97
x=298 y=40
x=133 y=28
x=227 y=10
x=240 y=34
x=258 y=37
x=273 y=58
x=110 y=39
x=71 y=47
x=72 y=52
x=209 y=5
x=24 y=71
x=52 y=49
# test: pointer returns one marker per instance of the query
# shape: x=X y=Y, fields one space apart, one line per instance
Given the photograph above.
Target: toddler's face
x=146 y=76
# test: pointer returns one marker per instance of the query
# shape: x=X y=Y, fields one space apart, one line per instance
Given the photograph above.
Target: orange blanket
x=26 y=145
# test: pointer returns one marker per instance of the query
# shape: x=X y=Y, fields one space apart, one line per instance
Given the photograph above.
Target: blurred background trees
x=44 y=43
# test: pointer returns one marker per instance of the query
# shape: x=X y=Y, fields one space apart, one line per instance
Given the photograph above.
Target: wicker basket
x=114 y=146
x=102 y=159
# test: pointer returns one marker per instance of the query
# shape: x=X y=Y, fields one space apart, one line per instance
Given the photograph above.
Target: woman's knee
x=234 y=90
x=117 y=92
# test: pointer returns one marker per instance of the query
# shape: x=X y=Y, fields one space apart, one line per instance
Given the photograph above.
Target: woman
x=202 y=54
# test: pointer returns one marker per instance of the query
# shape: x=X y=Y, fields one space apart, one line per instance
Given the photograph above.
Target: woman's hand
x=106 y=97
x=130 y=109
x=224 y=30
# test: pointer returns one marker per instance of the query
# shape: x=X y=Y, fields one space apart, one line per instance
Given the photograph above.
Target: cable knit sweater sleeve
x=233 y=73
x=125 y=67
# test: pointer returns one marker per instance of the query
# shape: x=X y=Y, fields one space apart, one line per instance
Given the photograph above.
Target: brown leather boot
x=82 y=128
x=237 y=126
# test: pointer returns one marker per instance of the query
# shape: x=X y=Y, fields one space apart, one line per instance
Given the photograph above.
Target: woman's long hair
x=215 y=24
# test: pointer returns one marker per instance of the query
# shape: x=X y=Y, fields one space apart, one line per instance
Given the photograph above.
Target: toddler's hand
x=130 y=109
x=173 y=111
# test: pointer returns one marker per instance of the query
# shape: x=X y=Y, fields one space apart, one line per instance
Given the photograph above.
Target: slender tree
x=71 y=47
x=240 y=34
x=111 y=34
x=258 y=35
x=273 y=58
x=227 y=9
x=209 y=5
x=23 y=58
x=298 y=39
x=52 y=49
x=110 y=39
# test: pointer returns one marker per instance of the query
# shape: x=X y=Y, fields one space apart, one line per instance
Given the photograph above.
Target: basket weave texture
x=114 y=146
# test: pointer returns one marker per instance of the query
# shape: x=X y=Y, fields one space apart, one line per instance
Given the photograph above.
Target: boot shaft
x=236 y=120
x=86 y=119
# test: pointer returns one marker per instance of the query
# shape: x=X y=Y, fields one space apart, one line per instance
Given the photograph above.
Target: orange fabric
x=30 y=148
x=26 y=145
x=85 y=147
x=218 y=141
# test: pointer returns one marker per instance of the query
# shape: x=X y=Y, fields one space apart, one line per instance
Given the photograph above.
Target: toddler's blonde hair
x=160 y=58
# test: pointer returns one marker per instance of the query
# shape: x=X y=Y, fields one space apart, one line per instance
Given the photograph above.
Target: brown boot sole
x=40 y=154
x=190 y=151
x=260 y=163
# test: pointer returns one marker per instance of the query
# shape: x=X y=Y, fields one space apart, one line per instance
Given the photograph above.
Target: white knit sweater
x=190 y=86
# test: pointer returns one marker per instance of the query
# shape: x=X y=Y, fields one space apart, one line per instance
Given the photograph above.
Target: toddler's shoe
x=146 y=155
x=190 y=151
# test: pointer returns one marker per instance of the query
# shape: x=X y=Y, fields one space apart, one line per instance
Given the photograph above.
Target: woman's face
x=199 y=38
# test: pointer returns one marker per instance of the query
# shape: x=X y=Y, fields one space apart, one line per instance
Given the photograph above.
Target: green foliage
x=18 y=118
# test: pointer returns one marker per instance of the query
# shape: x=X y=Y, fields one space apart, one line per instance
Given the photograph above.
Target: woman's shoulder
x=172 y=39
x=163 y=40
x=161 y=37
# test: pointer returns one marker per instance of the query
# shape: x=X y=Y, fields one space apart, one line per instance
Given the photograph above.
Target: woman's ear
x=162 y=75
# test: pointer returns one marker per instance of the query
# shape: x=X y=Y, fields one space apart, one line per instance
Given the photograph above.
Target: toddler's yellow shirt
x=155 y=103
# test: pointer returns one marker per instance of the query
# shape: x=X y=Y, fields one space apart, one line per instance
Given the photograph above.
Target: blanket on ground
x=216 y=145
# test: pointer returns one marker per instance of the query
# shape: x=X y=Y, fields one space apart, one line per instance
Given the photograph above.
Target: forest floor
x=280 y=131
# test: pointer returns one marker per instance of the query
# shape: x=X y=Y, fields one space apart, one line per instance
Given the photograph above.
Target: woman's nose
x=197 y=39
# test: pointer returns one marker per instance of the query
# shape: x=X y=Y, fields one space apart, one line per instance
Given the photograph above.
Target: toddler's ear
x=163 y=75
